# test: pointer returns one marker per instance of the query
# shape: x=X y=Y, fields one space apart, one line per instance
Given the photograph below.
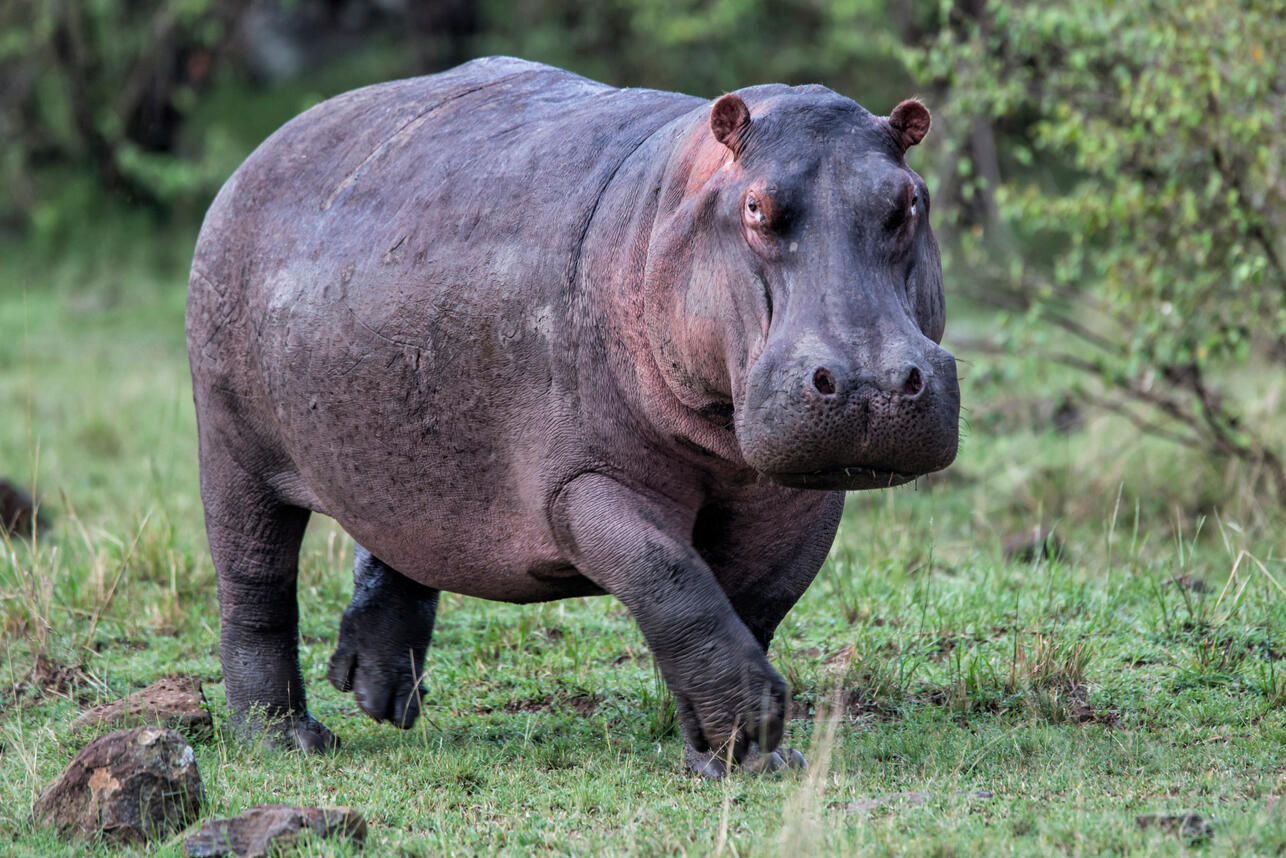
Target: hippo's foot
x=385 y=684
x=709 y=764
x=309 y=735
x=382 y=640
x=290 y=733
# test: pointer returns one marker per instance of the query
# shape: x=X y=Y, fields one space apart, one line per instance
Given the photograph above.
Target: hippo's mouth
x=850 y=478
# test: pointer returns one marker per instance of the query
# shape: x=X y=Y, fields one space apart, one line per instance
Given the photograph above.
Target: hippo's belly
x=432 y=426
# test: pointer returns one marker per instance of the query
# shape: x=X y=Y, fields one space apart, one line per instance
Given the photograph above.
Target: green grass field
x=1040 y=704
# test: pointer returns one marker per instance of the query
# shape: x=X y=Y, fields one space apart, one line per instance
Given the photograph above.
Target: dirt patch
x=48 y=678
x=584 y=704
x=1084 y=713
x=855 y=704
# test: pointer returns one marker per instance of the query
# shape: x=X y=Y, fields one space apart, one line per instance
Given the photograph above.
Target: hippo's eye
x=903 y=213
x=754 y=211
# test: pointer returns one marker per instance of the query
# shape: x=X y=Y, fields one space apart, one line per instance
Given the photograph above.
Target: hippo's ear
x=910 y=122
x=729 y=119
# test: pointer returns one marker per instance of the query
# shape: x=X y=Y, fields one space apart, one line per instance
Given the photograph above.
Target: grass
x=1040 y=704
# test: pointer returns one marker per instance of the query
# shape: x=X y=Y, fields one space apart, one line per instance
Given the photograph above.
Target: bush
x=102 y=88
x=1158 y=128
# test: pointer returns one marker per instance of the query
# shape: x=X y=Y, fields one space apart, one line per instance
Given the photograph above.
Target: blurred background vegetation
x=1108 y=177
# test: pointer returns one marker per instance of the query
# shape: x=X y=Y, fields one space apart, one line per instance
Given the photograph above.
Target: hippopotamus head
x=794 y=285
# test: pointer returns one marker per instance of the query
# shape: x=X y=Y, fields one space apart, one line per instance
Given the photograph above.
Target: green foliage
x=101 y=89
x=708 y=47
x=102 y=95
x=1158 y=131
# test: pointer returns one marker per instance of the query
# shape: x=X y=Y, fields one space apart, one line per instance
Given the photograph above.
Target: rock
x=273 y=828
x=175 y=703
x=131 y=786
x=17 y=511
x=1187 y=824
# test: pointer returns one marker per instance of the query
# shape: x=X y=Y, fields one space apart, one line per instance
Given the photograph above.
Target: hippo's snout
x=906 y=380
x=816 y=418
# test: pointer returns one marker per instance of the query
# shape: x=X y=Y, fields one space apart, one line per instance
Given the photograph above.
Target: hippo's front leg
x=633 y=546
x=765 y=553
x=383 y=636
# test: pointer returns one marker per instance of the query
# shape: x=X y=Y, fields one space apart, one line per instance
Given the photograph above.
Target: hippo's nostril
x=824 y=381
x=914 y=383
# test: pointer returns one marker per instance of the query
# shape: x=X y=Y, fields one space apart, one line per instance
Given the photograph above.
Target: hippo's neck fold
x=645 y=191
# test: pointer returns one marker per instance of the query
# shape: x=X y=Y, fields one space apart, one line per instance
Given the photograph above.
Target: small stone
x=176 y=703
x=272 y=828
x=131 y=786
x=1191 y=825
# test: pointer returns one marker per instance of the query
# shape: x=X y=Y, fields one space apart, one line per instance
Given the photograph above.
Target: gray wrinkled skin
x=526 y=337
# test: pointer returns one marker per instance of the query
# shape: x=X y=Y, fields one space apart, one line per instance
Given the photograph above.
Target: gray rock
x=175 y=703
x=272 y=828
x=131 y=786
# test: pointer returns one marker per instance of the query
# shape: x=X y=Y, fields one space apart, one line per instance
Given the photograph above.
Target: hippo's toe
x=383 y=681
x=794 y=759
x=311 y=736
x=395 y=699
x=704 y=763
x=292 y=733
x=710 y=765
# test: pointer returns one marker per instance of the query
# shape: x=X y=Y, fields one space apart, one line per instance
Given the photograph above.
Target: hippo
x=525 y=336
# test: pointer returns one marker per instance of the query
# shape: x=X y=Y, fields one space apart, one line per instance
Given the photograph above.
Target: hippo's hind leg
x=383 y=636
x=254 y=539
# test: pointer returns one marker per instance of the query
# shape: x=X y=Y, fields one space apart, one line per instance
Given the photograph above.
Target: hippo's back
x=497 y=153
x=380 y=295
